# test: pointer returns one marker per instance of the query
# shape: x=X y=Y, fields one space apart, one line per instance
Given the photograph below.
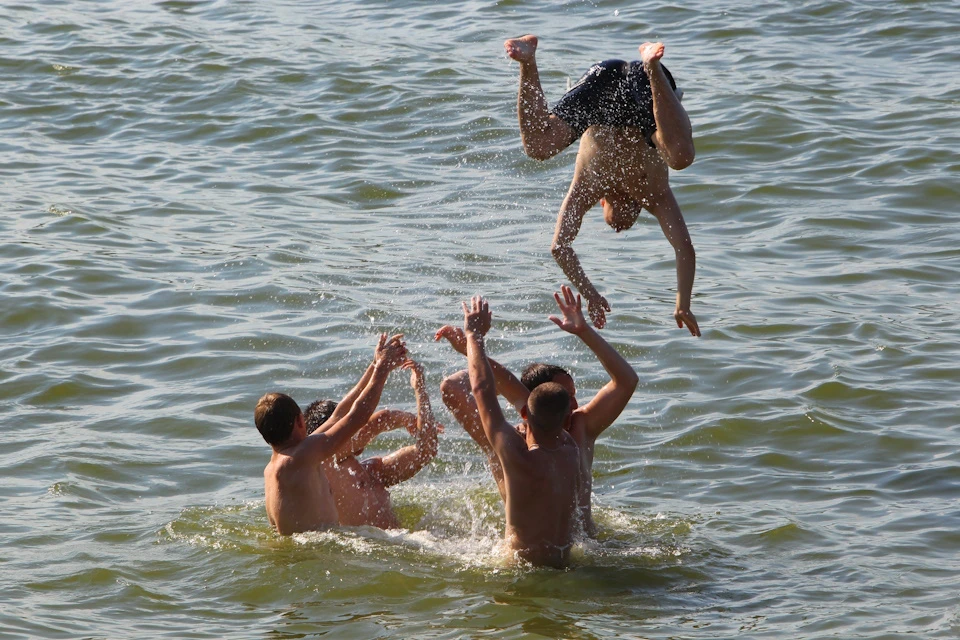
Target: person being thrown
x=360 y=488
x=298 y=496
x=541 y=469
x=586 y=422
x=632 y=127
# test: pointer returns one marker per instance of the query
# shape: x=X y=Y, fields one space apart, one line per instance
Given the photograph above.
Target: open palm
x=572 y=309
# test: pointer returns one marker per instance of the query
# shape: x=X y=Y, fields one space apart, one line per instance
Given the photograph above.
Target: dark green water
x=207 y=200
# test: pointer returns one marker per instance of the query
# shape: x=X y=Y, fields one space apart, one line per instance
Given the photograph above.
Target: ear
x=523 y=412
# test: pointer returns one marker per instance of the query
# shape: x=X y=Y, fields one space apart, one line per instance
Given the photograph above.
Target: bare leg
x=456 y=394
x=543 y=135
x=674 y=135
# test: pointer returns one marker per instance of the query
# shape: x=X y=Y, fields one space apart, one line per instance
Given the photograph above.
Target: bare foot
x=522 y=49
x=651 y=52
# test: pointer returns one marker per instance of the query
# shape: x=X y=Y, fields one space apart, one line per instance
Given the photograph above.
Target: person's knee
x=538 y=151
x=681 y=156
x=454 y=386
x=543 y=144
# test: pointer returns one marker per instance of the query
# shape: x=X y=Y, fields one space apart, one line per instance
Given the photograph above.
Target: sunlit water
x=204 y=201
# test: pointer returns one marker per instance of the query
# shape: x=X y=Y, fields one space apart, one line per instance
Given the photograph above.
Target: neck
x=548 y=441
x=287 y=444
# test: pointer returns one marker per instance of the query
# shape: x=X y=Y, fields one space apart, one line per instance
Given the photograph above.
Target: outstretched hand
x=418 y=381
x=684 y=317
x=596 y=308
x=416 y=372
x=392 y=352
x=455 y=336
x=572 y=309
x=477 y=317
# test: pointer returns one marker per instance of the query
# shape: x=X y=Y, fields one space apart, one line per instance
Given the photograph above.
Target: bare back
x=298 y=496
x=542 y=492
x=586 y=444
x=361 y=498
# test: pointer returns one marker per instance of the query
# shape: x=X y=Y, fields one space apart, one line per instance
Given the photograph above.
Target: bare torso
x=360 y=497
x=541 y=503
x=619 y=161
x=298 y=498
x=586 y=446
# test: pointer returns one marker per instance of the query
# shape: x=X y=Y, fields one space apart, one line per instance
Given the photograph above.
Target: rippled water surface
x=206 y=200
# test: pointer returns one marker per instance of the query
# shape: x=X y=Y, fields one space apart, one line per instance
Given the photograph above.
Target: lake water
x=206 y=200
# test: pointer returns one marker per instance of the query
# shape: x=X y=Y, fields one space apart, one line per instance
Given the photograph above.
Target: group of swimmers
x=632 y=127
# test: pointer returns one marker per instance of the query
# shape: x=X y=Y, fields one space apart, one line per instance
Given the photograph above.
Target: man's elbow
x=477 y=388
x=428 y=449
x=559 y=251
x=632 y=381
x=685 y=252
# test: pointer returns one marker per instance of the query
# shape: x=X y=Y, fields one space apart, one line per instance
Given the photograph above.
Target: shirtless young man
x=586 y=423
x=541 y=469
x=633 y=128
x=360 y=488
x=298 y=495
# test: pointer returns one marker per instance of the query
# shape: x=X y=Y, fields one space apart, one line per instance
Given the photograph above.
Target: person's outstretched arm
x=667 y=212
x=407 y=462
x=476 y=323
x=580 y=198
x=344 y=406
x=508 y=385
x=390 y=354
x=611 y=400
x=381 y=422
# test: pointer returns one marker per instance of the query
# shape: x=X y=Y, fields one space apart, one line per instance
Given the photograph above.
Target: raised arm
x=407 y=462
x=344 y=406
x=476 y=323
x=390 y=354
x=381 y=422
x=508 y=385
x=611 y=400
x=578 y=201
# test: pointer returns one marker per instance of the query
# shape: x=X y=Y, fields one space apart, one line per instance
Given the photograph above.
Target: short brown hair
x=538 y=373
x=547 y=406
x=275 y=416
x=318 y=413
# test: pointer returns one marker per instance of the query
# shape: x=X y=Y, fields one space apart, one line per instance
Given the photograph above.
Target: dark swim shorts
x=613 y=93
